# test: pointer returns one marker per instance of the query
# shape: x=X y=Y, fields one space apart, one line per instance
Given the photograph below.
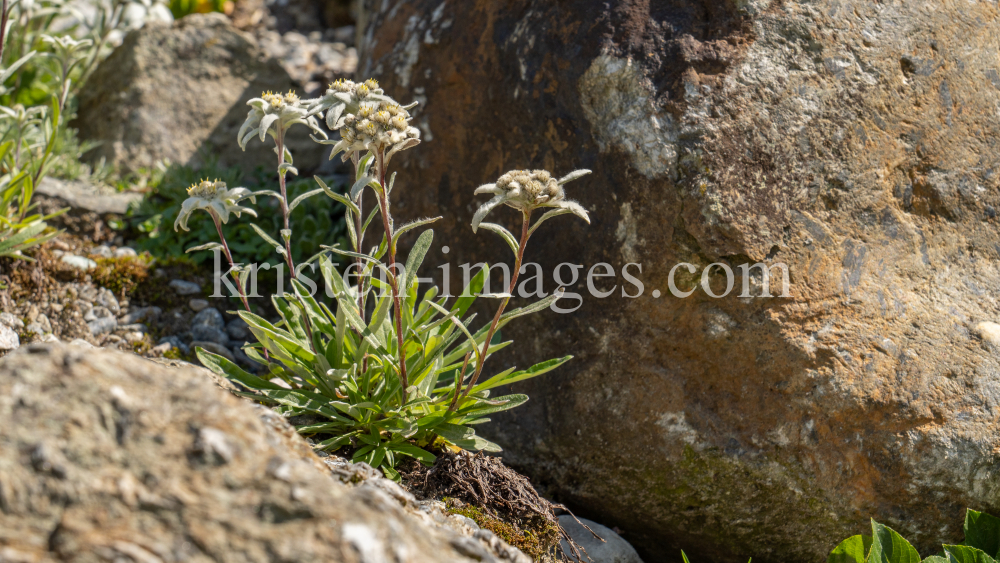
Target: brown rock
x=109 y=457
x=179 y=92
x=852 y=141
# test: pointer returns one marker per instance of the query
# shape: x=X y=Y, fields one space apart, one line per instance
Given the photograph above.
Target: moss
x=173 y=354
x=536 y=541
x=122 y=275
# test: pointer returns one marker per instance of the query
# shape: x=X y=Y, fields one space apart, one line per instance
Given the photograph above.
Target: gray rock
x=175 y=342
x=8 y=338
x=198 y=104
x=41 y=325
x=78 y=262
x=125 y=252
x=81 y=343
x=134 y=327
x=852 y=142
x=11 y=321
x=97 y=312
x=182 y=287
x=102 y=325
x=214 y=348
x=613 y=549
x=88 y=293
x=148 y=437
x=208 y=324
x=107 y=299
x=83 y=195
x=197 y=305
x=238 y=330
x=104 y=251
x=148 y=315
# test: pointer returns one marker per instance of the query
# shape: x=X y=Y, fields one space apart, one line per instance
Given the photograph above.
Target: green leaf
x=504 y=234
x=851 y=550
x=506 y=402
x=260 y=326
x=416 y=258
x=305 y=400
x=413 y=451
x=360 y=185
x=890 y=547
x=221 y=366
x=982 y=532
x=267 y=238
x=303 y=197
x=337 y=197
x=409 y=227
x=506 y=378
x=967 y=554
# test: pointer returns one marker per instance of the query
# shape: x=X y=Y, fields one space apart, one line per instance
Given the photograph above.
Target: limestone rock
x=81 y=195
x=8 y=339
x=609 y=547
x=852 y=141
x=111 y=457
x=179 y=91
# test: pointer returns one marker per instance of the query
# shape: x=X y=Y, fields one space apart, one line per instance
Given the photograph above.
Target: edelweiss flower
x=214 y=198
x=367 y=119
x=271 y=110
x=528 y=190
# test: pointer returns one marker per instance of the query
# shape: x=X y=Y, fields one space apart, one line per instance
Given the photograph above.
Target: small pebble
x=183 y=287
x=79 y=262
x=175 y=342
x=162 y=349
x=238 y=330
x=133 y=337
x=81 y=343
x=8 y=338
x=104 y=251
x=148 y=314
x=198 y=304
x=48 y=338
x=102 y=325
x=41 y=325
x=107 y=299
x=11 y=321
x=134 y=327
x=124 y=252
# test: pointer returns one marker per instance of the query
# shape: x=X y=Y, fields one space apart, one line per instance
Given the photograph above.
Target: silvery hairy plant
x=383 y=370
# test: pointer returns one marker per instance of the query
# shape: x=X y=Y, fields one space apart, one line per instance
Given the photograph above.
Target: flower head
x=216 y=199
x=367 y=119
x=273 y=110
x=527 y=190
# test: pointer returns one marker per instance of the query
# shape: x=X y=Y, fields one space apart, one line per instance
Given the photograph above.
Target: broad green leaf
x=967 y=554
x=982 y=532
x=851 y=550
x=890 y=547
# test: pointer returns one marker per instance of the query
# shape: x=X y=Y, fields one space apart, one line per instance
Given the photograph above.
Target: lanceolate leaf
x=851 y=550
x=416 y=258
x=890 y=547
x=507 y=378
x=982 y=532
x=222 y=366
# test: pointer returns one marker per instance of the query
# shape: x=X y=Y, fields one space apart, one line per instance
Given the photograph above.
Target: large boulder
x=853 y=141
x=178 y=92
x=105 y=456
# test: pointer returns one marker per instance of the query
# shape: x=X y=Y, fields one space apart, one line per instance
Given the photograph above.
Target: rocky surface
x=852 y=141
x=110 y=457
x=179 y=92
x=608 y=547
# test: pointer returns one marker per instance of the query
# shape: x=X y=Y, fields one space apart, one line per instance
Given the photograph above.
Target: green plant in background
x=981 y=545
x=181 y=8
x=47 y=49
x=167 y=190
x=390 y=372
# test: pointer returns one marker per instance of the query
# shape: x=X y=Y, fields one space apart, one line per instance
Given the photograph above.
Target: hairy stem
x=229 y=257
x=280 y=141
x=525 y=220
x=393 y=281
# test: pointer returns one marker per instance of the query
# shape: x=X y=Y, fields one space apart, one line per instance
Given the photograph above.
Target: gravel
x=183 y=287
